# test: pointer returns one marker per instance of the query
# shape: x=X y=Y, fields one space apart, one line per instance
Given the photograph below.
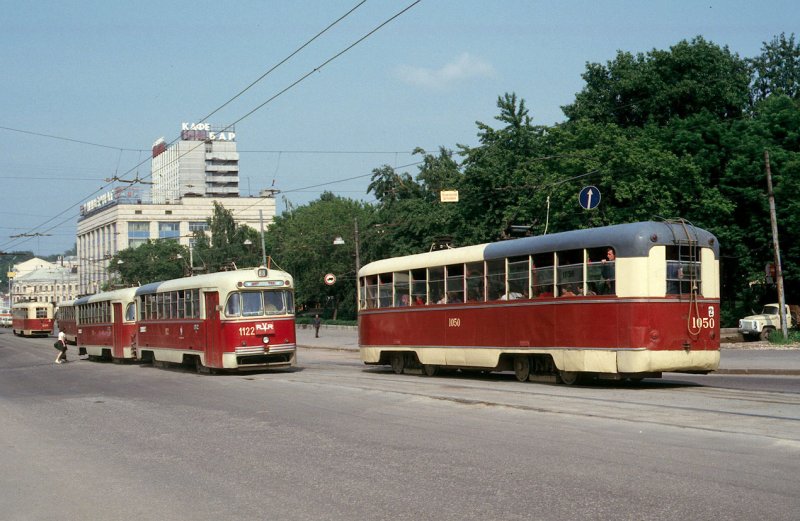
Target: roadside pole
x=778 y=270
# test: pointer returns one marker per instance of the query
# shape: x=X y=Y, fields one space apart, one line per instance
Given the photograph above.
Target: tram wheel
x=200 y=368
x=569 y=377
x=522 y=368
x=398 y=362
x=429 y=370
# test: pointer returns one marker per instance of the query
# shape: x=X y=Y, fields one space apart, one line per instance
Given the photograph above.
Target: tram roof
x=117 y=295
x=225 y=280
x=628 y=240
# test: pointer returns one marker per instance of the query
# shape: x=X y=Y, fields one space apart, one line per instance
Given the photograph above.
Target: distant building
x=40 y=281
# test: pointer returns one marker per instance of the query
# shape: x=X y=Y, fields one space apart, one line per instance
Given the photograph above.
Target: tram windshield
x=259 y=303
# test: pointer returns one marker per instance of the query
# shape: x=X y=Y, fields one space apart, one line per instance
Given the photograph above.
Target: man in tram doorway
x=607 y=271
x=317 y=323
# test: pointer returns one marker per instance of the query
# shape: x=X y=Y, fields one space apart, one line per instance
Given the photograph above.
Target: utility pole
x=778 y=271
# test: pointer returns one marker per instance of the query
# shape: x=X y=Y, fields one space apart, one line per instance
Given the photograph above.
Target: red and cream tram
x=32 y=318
x=629 y=301
x=240 y=319
x=106 y=325
x=66 y=321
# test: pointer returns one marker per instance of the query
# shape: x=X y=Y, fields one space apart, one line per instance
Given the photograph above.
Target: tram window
x=542 y=275
x=436 y=285
x=371 y=291
x=188 y=303
x=683 y=270
x=455 y=283
x=273 y=302
x=518 y=278
x=289 y=301
x=130 y=312
x=251 y=304
x=180 y=304
x=41 y=312
x=496 y=278
x=570 y=273
x=419 y=288
x=385 y=289
x=150 y=306
x=233 y=306
x=176 y=306
x=401 y=288
x=475 y=281
x=599 y=272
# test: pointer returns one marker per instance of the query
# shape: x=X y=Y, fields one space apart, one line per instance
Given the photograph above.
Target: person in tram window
x=404 y=300
x=608 y=272
x=511 y=295
x=567 y=291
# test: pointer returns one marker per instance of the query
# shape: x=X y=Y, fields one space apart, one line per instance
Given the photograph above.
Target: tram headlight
x=265 y=340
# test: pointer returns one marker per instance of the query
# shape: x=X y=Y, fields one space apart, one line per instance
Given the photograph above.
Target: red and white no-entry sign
x=330 y=279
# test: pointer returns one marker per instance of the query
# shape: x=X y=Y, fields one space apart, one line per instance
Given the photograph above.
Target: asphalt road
x=336 y=440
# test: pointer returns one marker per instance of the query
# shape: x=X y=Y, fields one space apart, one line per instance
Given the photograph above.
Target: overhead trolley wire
x=269 y=100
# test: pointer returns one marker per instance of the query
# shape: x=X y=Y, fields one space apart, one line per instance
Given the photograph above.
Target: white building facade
x=117 y=226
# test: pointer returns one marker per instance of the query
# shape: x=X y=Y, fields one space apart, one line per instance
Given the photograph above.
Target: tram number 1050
x=702 y=323
x=454 y=322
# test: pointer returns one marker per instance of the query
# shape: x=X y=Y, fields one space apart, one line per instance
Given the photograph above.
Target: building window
x=138 y=233
x=198 y=226
x=169 y=230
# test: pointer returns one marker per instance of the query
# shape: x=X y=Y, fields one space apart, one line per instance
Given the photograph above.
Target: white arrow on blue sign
x=589 y=197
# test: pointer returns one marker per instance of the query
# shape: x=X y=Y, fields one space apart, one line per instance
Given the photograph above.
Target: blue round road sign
x=589 y=197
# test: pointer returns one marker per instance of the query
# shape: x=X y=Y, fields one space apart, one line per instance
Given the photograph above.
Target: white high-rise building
x=203 y=163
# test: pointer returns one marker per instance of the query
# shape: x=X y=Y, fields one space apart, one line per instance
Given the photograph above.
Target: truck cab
x=764 y=324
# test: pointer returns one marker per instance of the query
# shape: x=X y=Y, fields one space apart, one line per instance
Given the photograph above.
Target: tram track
x=765 y=414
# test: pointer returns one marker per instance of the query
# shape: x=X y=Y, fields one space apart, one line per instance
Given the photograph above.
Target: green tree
x=151 y=262
x=660 y=85
x=301 y=242
x=500 y=173
x=229 y=245
x=777 y=69
x=411 y=223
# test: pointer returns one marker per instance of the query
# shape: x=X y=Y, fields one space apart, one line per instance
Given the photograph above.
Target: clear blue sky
x=123 y=74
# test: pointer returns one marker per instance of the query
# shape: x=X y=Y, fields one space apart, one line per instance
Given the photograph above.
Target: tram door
x=213 y=331
x=118 y=337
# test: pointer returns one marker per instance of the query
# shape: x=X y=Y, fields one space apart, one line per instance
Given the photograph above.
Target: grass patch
x=776 y=338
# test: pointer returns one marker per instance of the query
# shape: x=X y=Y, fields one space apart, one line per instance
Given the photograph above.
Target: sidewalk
x=735 y=357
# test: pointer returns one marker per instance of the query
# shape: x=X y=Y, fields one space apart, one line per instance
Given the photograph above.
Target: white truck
x=768 y=321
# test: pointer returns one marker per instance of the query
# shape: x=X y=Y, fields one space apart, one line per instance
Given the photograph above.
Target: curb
x=768 y=372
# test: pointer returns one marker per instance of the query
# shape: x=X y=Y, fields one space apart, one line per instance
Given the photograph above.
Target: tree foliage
x=228 y=246
x=302 y=243
x=151 y=262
